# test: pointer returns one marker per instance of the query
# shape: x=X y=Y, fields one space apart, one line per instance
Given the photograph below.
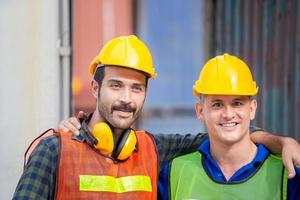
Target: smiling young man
x=108 y=159
x=228 y=164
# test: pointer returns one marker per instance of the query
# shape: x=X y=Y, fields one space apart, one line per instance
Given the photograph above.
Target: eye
x=115 y=85
x=237 y=103
x=217 y=105
x=138 y=88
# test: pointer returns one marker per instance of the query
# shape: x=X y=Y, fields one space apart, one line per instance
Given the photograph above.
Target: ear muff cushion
x=102 y=132
x=126 y=145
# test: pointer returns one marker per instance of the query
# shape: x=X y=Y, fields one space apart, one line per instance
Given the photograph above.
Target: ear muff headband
x=126 y=145
x=105 y=141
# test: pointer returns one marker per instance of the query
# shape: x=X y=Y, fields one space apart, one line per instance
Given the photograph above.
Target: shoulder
x=47 y=148
x=190 y=157
x=38 y=178
x=144 y=134
x=50 y=143
x=145 y=139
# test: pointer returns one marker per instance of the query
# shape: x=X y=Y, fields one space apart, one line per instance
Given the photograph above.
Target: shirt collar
x=85 y=134
x=261 y=153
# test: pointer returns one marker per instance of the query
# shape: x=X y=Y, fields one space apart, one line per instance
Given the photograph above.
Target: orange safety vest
x=85 y=174
x=36 y=141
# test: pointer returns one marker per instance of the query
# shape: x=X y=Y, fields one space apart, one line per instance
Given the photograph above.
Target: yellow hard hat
x=125 y=51
x=226 y=75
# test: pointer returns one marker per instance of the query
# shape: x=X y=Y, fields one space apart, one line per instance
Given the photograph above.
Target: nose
x=126 y=95
x=228 y=112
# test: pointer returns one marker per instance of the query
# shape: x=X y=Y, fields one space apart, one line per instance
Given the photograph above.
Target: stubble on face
x=115 y=120
x=120 y=113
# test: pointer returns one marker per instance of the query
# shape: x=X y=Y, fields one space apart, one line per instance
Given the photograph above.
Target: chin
x=231 y=137
x=230 y=141
x=122 y=125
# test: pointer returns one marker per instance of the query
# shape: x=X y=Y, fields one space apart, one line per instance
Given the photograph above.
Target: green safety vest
x=188 y=180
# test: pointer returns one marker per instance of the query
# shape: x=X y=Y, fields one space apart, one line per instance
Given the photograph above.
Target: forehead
x=124 y=74
x=226 y=97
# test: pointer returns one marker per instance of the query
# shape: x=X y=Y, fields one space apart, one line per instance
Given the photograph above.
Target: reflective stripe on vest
x=85 y=174
x=188 y=180
x=112 y=184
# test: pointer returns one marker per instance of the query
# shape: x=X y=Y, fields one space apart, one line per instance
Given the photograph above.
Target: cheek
x=139 y=99
x=106 y=98
x=244 y=114
x=209 y=116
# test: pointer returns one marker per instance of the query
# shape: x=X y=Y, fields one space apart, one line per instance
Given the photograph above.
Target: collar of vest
x=85 y=134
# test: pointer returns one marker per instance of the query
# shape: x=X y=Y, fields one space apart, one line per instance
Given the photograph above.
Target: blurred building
x=266 y=34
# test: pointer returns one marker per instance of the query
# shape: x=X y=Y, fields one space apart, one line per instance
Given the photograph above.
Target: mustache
x=124 y=107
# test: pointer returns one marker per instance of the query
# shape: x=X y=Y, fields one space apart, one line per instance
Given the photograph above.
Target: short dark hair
x=99 y=75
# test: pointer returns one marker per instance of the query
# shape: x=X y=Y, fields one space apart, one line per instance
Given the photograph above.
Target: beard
x=115 y=120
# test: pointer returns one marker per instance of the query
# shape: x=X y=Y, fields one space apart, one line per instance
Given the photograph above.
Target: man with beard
x=108 y=159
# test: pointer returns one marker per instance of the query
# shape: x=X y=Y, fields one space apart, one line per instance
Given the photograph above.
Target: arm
x=288 y=147
x=38 y=178
x=171 y=145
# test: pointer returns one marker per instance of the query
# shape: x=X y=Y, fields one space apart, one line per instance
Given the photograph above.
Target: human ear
x=253 y=106
x=95 y=88
x=199 y=111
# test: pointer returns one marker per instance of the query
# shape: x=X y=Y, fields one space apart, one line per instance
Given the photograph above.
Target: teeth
x=229 y=124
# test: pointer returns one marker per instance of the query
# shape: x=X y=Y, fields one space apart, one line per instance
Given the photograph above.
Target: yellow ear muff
x=104 y=135
x=127 y=145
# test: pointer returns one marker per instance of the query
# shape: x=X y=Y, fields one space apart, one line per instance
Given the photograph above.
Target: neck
x=231 y=157
x=94 y=119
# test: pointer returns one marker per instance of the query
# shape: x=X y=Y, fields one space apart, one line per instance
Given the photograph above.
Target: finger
x=75 y=122
x=82 y=115
x=66 y=126
x=296 y=159
x=62 y=127
x=288 y=163
x=77 y=132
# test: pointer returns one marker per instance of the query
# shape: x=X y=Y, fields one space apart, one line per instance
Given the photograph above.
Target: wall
x=94 y=23
x=29 y=81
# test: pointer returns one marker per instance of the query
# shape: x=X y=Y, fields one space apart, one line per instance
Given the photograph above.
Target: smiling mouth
x=231 y=124
x=124 y=113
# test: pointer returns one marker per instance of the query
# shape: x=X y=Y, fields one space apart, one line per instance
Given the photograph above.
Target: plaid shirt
x=38 y=180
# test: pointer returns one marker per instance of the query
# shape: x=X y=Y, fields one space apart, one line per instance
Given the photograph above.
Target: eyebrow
x=121 y=82
x=235 y=99
x=115 y=81
x=216 y=100
x=139 y=85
